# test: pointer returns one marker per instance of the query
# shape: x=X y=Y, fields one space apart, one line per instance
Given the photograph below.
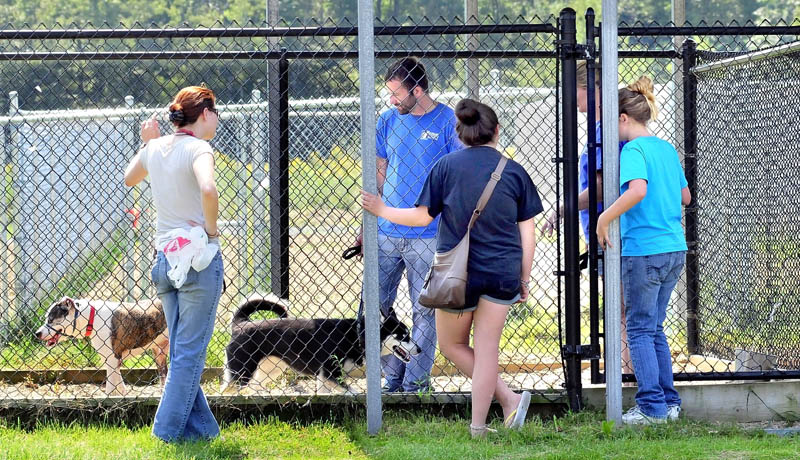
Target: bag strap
x=487 y=191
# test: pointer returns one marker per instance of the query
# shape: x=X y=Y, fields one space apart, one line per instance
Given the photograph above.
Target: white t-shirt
x=169 y=161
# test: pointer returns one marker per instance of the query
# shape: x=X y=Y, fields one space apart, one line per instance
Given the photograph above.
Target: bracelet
x=214 y=235
x=527 y=283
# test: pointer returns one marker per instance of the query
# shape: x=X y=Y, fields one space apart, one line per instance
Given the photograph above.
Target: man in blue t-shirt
x=410 y=139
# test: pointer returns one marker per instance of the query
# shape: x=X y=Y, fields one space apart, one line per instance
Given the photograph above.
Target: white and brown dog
x=116 y=331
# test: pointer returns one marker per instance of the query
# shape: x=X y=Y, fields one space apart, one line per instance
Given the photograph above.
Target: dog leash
x=348 y=254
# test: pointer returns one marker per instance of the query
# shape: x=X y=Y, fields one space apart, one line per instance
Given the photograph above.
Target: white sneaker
x=673 y=412
x=635 y=416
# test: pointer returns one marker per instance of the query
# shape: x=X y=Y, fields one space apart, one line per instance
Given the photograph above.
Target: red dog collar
x=90 y=326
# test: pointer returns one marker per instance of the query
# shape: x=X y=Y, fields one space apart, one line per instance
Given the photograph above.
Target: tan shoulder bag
x=446 y=283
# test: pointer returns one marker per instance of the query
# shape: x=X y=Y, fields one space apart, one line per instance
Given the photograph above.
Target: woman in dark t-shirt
x=502 y=243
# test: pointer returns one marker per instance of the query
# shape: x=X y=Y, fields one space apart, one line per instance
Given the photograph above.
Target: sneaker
x=673 y=412
x=386 y=388
x=635 y=416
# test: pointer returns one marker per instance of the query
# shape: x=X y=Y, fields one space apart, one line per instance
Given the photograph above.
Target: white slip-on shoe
x=516 y=418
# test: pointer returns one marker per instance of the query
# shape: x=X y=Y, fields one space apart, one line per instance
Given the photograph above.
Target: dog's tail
x=258 y=302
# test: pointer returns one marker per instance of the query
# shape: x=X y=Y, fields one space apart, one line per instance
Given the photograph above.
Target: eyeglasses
x=213 y=110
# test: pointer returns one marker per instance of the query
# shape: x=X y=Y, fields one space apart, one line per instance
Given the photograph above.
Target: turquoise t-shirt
x=412 y=144
x=652 y=226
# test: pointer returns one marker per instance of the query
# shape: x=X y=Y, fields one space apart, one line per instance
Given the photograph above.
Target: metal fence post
x=611 y=264
x=472 y=65
x=242 y=228
x=690 y=165
x=22 y=275
x=591 y=146
x=5 y=220
x=366 y=82
x=570 y=167
x=130 y=209
x=259 y=214
x=279 y=176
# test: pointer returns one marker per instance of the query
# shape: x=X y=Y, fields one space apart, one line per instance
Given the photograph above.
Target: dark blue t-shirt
x=452 y=189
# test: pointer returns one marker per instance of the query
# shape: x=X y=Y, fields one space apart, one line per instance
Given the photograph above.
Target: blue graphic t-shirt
x=653 y=225
x=412 y=144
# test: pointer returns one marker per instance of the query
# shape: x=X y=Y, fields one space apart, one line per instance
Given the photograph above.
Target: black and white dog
x=116 y=331
x=325 y=348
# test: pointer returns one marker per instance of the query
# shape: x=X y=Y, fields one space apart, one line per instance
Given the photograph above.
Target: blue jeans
x=414 y=255
x=183 y=412
x=648 y=282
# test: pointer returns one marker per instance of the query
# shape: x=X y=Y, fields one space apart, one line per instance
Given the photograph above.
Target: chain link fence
x=727 y=105
x=289 y=173
x=288 y=169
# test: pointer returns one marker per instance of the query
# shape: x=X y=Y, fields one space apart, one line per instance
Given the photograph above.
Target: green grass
x=403 y=437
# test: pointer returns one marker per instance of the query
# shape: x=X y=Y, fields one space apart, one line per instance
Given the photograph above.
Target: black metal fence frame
x=567 y=50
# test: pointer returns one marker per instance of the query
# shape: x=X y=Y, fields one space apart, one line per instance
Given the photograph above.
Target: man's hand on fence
x=551 y=223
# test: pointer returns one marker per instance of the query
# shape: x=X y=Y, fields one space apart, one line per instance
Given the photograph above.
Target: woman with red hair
x=181 y=170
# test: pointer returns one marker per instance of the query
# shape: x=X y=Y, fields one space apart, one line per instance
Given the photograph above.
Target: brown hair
x=477 y=122
x=410 y=72
x=638 y=101
x=189 y=103
x=582 y=75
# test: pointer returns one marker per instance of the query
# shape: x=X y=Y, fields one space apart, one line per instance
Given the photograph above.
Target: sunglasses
x=213 y=110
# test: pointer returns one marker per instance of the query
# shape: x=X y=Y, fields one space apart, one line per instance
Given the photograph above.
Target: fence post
x=473 y=65
x=279 y=176
x=22 y=260
x=241 y=220
x=591 y=145
x=690 y=165
x=132 y=251
x=259 y=159
x=570 y=171
x=366 y=83
x=612 y=307
x=5 y=214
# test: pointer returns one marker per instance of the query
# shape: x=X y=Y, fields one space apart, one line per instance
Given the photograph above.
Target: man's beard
x=407 y=105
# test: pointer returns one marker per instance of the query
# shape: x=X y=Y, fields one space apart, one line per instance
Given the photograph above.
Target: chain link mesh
x=744 y=202
x=71 y=227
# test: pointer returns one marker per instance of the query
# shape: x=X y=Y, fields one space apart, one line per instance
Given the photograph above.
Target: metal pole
x=473 y=65
x=611 y=265
x=279 y=178
x=690 y=165
x=591 y=146
x=679 y=19
x=132 y=252
x=570 y=167
x=366 y=72
x=260 y=244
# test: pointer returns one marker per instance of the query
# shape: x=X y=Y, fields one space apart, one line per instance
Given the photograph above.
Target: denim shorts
x=489 y=286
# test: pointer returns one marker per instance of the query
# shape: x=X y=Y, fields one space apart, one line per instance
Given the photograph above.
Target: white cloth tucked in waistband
x=185 y=249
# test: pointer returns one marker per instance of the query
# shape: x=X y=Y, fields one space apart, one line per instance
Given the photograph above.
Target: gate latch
x=584 y=352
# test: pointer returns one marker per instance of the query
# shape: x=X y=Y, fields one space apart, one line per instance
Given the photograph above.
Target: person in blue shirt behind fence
x=653 y=188
x=581 y=74
x=411 y=137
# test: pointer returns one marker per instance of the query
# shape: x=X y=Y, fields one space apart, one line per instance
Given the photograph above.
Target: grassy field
x=403 y=437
